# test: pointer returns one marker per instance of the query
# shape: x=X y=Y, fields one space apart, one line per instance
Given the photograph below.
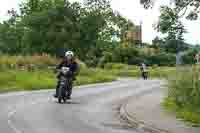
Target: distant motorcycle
x=145 y=75
x=64 y=82
x=144 y=71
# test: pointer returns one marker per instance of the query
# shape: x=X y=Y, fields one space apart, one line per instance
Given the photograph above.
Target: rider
x=143 y=69
x=70 y=62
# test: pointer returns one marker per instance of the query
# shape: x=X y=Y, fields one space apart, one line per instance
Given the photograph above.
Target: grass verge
x=16 y=80
x=184 y=94
x=19 y=80
x=189 y=114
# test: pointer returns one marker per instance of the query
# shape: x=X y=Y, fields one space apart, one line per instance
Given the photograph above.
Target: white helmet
x=69 y=53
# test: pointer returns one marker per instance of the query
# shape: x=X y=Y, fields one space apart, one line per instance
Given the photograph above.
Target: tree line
x=90 y=29
x=48 y=26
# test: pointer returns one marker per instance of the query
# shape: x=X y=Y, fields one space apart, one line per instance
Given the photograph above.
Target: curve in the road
x=93 y=109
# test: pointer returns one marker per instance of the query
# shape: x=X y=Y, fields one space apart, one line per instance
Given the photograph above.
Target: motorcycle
x=64 y=82
x=145 y=75
x=144 y=71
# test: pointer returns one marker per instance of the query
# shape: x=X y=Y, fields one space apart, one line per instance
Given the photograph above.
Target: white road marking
x=10 y=124
x=13 y=111
x=13 y=127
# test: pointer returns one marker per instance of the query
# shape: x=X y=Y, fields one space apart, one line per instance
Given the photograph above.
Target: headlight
x=65 y=70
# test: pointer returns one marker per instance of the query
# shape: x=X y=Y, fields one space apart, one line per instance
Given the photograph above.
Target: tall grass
x=17 y=80
x=18 y=61
x=184 y=94
x=186 y=87
x=13 y=77
x=32 y=73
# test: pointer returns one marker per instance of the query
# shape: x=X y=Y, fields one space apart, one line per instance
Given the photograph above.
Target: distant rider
x=143 y=69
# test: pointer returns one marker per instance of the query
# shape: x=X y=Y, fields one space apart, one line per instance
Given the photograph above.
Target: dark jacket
x=143 y=68
x=74 y=68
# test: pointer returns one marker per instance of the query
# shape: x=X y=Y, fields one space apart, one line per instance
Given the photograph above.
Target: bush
x=135 y=60
x=123 y=54
x=162 y=59
x=107 y=57
x=189 y=57
x=129 y=54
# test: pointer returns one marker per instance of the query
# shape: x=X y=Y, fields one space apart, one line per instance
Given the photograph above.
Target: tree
x=169 y=23
x=188 y=8
x=51 y=25
x=189 y=57
x=157 y=43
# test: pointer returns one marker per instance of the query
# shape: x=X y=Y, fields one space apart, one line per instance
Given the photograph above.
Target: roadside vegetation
x=184 y=94
x=18 y=80
x=37 y=72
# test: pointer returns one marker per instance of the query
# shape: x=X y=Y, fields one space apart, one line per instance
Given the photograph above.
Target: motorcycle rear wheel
x=59 y=100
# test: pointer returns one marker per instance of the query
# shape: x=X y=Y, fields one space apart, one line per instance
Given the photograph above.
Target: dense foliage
x=48 y=26
x=188 y=8
x=52 y=26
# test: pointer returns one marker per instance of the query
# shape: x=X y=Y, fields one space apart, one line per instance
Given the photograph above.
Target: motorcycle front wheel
x=60 y=95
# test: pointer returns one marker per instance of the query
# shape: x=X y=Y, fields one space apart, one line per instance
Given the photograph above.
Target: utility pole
x=140 y=31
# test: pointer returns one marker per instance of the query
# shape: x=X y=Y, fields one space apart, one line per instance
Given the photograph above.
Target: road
x=93 y=109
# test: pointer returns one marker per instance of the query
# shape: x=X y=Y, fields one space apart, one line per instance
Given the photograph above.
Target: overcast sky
x=133 y=11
